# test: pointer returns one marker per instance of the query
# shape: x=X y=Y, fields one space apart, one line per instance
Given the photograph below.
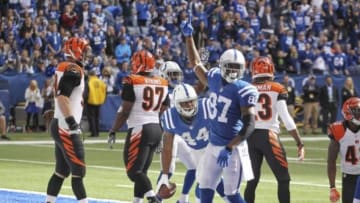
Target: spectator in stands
x=348 y=90
x=69 y=17
x=53 y=39
x=3 y=126
x=97 y=40
x=47 y=93
x=311 y=104
x=108 y=78
x=329 y=103
x=94 y=96
x=97 y=65
x=124 y=72
x=32 y=104
x=111 y=41
x=338 y=65
x=122 y=51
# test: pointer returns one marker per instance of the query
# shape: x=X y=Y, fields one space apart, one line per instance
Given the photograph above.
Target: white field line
x=156 y=172
x=68 y=196
x=104 y=141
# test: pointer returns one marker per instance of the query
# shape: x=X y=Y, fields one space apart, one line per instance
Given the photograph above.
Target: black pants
x=329 y=114
x=348 y=187
x=34 y=117
x=139 y=149
x=69 y=152
x=265 y=143
x=93 y=116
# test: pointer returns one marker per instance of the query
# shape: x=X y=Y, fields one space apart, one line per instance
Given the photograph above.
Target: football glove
x=223 y=158
x=164 y=180
x=186 y=27
x=111 y=139
x=334 y=195
x=74 y=128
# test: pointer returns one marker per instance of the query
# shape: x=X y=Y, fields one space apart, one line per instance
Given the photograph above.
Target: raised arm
x=192 y=53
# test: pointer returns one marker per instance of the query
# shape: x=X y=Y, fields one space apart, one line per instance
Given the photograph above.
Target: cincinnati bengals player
x=345 y=139
x=65 y=130
x=264 y=142
x=144 y=96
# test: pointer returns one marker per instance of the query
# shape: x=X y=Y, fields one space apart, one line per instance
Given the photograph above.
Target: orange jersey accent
x=267 y=114
x=349 y=147
x=150 y=93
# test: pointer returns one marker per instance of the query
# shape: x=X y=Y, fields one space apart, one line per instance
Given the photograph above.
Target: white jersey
x=76 y=97
x=349 y=147
x=150 y=93
x=267 y=114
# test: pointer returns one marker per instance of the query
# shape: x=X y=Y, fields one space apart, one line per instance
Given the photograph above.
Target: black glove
x=74 y=127
x=111 y=139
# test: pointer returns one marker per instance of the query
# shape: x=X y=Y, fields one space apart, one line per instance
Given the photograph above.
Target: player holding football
x=144 y=96
x=265 y=142
x=345 y=139
x=172 y=72
x=64 y=128
x=232 y=119
x=187 y=120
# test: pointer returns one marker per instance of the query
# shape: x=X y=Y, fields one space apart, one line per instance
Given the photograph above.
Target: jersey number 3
x=152 y=98
x=265 y=113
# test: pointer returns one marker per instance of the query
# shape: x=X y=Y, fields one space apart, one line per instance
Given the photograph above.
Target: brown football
x=165 y=192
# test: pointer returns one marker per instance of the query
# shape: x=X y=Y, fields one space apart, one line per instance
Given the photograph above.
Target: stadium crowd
x=300 y=36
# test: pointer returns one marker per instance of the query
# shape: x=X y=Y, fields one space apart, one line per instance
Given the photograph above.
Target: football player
x=64 y=128
x=172 y=72
x=232 y=119
x=144 y=96
x=344 y=140
x=265 y=142
x=187 y=120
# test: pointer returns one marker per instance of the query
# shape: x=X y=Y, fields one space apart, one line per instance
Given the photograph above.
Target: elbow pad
x=248 y=126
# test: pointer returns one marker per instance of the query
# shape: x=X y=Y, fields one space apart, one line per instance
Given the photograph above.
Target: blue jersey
x=196 y=133
x=225 y=102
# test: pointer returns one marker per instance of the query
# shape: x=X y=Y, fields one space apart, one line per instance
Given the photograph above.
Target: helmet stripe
x=235 y=55
x=186 y=90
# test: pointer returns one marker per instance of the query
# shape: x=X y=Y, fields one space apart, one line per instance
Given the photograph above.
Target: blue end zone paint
x=17 y=196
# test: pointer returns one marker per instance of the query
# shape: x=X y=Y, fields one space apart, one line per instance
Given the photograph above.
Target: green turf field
x=28 y=166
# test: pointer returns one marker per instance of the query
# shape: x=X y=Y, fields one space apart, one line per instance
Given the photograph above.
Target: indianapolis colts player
x=232 y=120
x=188 y=120
x=172 y=72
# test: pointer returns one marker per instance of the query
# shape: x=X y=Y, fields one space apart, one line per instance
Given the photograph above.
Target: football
x=165 y=192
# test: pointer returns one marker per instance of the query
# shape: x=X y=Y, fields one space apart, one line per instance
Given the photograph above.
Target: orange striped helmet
x=351 y=110
x=262 y=66
x=77 y=49
x=142 y=61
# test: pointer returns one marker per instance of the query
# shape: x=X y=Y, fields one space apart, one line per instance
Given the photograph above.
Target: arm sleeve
x=128 y=93
x=68 y=82
x=284 y=115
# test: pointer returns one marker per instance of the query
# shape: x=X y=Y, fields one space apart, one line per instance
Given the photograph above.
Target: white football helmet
x=232 y=65
x=172 y=72
x=186 y=100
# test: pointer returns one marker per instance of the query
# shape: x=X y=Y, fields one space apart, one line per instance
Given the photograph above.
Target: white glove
x=164 y=179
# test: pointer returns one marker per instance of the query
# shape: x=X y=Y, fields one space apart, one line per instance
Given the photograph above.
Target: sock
x=54 y=186
x=206 y=195
x=184 y=198
x=150 y=193
x=137 y=200
x=220 y=188
x=188 y=181
x=284 y=191
x=83 y=201
x=78 y=188
x=235 y=198
x=197 y=191
x=50 y=199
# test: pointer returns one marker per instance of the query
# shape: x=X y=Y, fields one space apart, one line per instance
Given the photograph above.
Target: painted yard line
x=122 y=141
x=123 y=169
x=68 y=196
